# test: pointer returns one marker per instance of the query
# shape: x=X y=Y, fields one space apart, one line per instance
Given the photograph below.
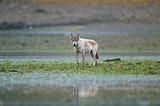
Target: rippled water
x=63 y=88
x=69 y=57
x=50 y=88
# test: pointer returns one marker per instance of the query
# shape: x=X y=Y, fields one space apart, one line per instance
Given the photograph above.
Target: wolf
x=83 y=46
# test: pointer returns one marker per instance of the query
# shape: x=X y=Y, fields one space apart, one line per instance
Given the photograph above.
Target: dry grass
x=71 y=11
x=50 y=42
x=96 y=1
x=84 y=1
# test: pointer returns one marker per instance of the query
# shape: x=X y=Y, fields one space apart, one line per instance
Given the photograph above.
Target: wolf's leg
x=95 y=59
x=76 y=56
x=83 y=59
x=95 y=62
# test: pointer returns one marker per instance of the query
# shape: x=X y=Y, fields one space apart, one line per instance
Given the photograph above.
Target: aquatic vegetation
x=113 y=67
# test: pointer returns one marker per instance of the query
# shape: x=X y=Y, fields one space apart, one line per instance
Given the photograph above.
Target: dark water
x=66 y=89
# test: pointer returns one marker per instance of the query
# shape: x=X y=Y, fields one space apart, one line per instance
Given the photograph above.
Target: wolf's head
x=75 y=39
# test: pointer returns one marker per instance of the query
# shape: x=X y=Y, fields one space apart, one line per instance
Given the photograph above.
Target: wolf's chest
x=78 y=49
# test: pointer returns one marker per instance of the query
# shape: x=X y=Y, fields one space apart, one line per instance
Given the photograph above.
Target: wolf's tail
x=96 y=55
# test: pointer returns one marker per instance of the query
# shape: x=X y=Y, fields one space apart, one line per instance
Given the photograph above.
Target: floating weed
x=117 y=67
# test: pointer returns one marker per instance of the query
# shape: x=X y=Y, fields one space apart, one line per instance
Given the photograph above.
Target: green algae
x=135 y=67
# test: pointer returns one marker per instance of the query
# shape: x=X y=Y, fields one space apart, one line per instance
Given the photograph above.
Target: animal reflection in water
x=85 y=92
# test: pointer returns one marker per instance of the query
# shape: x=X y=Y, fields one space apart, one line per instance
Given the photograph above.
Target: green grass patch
x=145 y=67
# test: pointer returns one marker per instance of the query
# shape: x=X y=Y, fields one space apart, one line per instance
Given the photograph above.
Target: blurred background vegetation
x=136 y=22
x=78 y=11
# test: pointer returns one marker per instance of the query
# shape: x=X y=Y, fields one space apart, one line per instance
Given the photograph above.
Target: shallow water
x=63 y=88
x=69 y=56
x=51 y=88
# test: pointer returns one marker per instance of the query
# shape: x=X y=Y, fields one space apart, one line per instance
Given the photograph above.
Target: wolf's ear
x=71 y=35
x=78 y=35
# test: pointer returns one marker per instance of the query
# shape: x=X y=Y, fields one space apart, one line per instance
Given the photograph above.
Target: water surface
x=65 y=88
x=51 y=88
